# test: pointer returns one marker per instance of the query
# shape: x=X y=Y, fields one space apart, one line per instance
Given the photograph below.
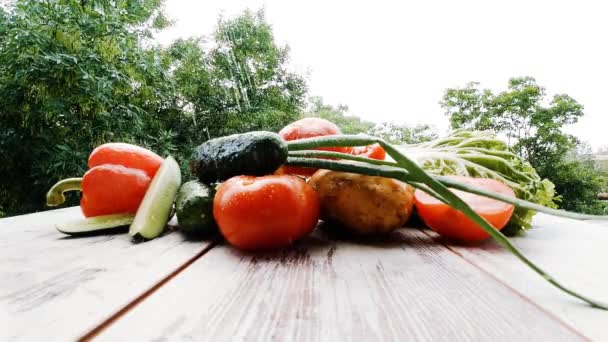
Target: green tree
x=533 y=126
x=352 y=124
x=579 y=180
x=73 y=75
x=349 y=124
x=241 y=84
x=402 y=134
x=601 y=161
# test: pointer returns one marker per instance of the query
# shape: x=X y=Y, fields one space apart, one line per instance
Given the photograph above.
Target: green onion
x=338 y=155
x=408 y=171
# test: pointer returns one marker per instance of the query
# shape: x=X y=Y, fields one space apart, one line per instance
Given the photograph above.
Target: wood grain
x=574 y=252
x=55 y=287
x=404 y=288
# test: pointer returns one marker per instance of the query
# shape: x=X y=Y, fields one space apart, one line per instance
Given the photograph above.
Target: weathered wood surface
x=406 y=288
x=574 y=252
x=412 y=286
x=56 y=288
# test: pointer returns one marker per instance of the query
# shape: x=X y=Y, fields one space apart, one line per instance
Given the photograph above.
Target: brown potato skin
x=364 y=205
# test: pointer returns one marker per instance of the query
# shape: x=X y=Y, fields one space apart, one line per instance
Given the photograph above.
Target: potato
x=363 y=205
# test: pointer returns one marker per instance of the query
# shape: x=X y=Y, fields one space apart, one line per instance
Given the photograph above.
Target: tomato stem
x=56 y=196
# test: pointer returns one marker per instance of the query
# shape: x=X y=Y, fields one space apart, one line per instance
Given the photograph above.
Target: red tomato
x=374 y=151
x=111 y=189
x=269 y=212
x=308 y=128
x=455 y=225
x=127 y=155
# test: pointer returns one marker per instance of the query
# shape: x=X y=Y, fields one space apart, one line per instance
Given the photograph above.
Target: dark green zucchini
x=194 y=209
x=254 y=154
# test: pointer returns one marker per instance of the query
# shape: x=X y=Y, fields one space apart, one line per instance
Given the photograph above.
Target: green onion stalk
x=302 y=153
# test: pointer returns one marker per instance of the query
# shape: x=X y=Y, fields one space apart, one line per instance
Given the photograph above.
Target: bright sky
x=392 y=60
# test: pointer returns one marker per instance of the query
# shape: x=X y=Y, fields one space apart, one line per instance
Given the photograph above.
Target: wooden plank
x=574 y=252
x=404 y=288
x=54 y=287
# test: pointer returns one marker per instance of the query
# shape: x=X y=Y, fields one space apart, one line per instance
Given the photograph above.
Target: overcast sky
x=391 y=60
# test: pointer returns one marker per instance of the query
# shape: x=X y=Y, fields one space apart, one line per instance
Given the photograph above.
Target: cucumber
x=105 y=224
x=255 y=154
x=194 y=209
x=153 y=212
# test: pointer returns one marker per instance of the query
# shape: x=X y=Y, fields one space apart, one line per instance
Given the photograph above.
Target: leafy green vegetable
x=482 y=154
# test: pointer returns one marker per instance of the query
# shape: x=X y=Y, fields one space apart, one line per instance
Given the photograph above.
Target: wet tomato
x=263 y=213
x=308 y=128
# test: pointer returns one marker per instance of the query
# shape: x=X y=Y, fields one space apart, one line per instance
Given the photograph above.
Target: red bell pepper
x=116 y=182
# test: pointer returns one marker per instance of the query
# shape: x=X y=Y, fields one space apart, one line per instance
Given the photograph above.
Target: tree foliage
x=403 y=134
x=73 y=75
x=76 y=74
x=520 y=112
x=240 y=84
x=579 y=179
x=533 y=125
x=349 y=124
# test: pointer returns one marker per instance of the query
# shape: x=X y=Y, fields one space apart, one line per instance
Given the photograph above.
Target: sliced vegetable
x=153 y=213
x=127 y=155
x=363 y=205
x=253 y=153
x=106 y=224
x=481 y=154
x=455 y=225
x=374 y=151
x=194 y=209
x=308 y=128
x=266 y=212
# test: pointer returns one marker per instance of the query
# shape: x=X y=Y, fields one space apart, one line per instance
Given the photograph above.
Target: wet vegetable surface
x=253 y=154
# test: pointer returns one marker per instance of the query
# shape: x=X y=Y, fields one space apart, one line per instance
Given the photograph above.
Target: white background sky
x=392 y=60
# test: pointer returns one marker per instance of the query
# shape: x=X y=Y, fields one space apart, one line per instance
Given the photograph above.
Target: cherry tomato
x=111 y=189
x=455 y=225
x=127 y=155
x=262 y=213
x=308 y=128
x=374 y=151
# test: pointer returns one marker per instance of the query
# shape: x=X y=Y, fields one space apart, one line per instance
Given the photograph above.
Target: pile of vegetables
x=253 y=189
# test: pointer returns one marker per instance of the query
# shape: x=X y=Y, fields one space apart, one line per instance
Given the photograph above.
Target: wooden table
x=410 y=286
